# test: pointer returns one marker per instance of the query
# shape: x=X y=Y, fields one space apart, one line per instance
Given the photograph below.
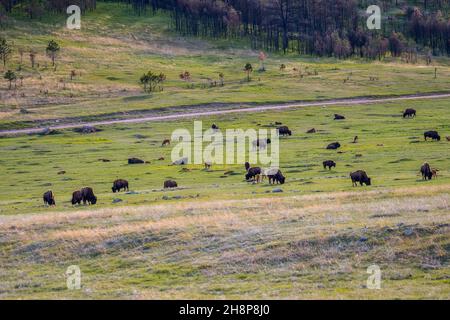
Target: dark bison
x=276 y=177
x=313 y=130
x=433 y=135
x=135 y=161
x=361 y=177
x=330 y=164
x=284 y=131
x=120 y=184
x=427 y=173
x=409 y=113
x=338 y=117
x=170 y=184
x=76 y=197
x=49 y=198
x=247 y=166
x=87 y=195
x=254 y=172
x=334 y=146
x=214 y=127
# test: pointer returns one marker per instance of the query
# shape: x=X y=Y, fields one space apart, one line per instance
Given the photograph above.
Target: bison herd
x=254 y=174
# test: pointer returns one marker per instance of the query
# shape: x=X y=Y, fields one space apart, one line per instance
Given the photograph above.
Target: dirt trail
x=268 y=107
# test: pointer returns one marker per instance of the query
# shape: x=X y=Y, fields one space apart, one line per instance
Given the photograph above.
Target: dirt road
x=335 y=102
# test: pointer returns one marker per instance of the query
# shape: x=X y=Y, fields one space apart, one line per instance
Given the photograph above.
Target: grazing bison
x=334 y=146
x=166 y=142
x=76 y=197
x=275 y=176
x=330 y=164
x=448 y=138
x=427 y=173
x=214 y=127
x=433 y=135
x=247 y=166
x=409 y=113
x=284 y=131
x=361 y=177
x=170 y=184
x=135 y=161
x=49 y=198
x=338 y=117
x=253 y=173
x=87 y=195
x=120 y=184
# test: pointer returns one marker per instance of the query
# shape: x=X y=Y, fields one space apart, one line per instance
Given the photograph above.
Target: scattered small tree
x=10 y=76
x=248 y=69
x=5 y=51
x=52 y=50
x=151 y=81
x=32 y=57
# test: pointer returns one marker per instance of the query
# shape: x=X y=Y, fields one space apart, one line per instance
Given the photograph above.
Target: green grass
x=391 y=148
x=111 y=62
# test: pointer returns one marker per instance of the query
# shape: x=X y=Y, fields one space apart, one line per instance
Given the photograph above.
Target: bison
x=334 y=146
x=166 y=142
x=361 y=177
x=247 y=166
x=135 y=161
x=275 y=176
x=214 y=127
x=170 y=184
x=254 y=172
x=427 y=173
x=329 y=163
x=87 y=195
x=49 y=198
x=409 y=113
x=284 y=131
x=433 y=135
x=338 y=117
x=76 y=197
x=120 y=184
x=313 y=130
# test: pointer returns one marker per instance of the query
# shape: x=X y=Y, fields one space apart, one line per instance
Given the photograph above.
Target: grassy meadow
x=217 y=236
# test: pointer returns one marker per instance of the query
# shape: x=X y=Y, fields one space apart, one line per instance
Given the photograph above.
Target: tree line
x=309 y=27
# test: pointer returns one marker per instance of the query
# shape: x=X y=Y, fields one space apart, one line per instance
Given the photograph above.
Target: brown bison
x=76 y=197
x=433 y=135
x=170 y=184
x=253 y=173
x=334 y=146
x=120 y=184
x=49 y=198
x=427 y=173
x=409 y=113
x=329 y=163
x=87 y=195
x=165 y=143
x=284 y=131
x=361 y=177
